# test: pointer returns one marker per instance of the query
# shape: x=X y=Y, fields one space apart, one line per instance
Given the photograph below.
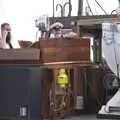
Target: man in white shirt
x=56 y=30
x=5 y=37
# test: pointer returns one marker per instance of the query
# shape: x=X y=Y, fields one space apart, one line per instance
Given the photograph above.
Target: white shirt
x=4 y=45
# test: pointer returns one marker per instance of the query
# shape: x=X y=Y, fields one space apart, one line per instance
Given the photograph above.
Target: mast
x=119 y=3
x=80 y=7
x=53 y=8
x=70 y=8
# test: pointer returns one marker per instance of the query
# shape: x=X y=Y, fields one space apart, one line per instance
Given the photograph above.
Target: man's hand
x=5 y=33
x=3 y=39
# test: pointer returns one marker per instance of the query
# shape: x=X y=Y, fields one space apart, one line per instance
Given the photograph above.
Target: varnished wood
x=64 y=49
x=54 y=52
x=20 y=56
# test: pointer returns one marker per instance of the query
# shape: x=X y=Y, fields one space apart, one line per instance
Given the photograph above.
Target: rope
x=65 y=101
x=101 y=7
x=89 y=7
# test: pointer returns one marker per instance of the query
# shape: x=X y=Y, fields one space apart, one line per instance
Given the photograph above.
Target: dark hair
x=3 y=25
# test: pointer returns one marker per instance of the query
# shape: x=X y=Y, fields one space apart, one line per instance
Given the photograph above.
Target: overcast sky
x=21 y=14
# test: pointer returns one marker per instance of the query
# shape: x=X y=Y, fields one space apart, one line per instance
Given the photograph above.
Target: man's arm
x=3 y=40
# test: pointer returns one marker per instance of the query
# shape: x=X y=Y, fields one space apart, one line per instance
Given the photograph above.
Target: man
x=5 y=38
x=56 y=29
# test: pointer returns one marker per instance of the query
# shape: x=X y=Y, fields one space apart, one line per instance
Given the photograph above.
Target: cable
x=89 y=7
x=101 y=7
x=112 y=11
x=95 y=9
x=117 y=11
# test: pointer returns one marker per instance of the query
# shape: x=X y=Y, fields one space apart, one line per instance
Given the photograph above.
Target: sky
x=21 y=14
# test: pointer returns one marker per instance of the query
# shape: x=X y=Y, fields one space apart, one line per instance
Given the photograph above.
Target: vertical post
x=69 y=7
x=53 y=8
x=80 y=7
x=119 y=3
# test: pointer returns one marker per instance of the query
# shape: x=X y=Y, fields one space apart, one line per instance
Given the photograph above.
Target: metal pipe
x=70 y=8
x=53 y=8
x=80 y=7
x=119 y=3
x=59 y=5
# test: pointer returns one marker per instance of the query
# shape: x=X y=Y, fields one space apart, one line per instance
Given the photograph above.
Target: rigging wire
x=95 y=9
x=101 y=7
x=89 y=6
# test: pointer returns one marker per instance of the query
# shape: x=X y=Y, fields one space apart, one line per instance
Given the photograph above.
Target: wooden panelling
x=64 y=49
x=19 y=56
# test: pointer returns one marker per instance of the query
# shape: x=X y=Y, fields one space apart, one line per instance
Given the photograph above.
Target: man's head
x=6 y=27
